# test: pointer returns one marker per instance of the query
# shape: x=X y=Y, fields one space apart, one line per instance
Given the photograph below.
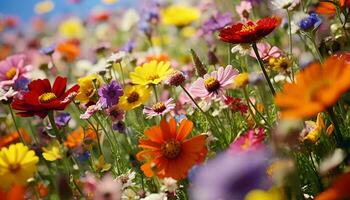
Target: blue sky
x=25 y=8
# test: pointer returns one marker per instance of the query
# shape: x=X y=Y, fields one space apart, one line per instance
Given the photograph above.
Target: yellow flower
x=101 y=165
x=17 y=165
x=109 y=2
x=241 y=80
x=53 y=152
x=279 y=64
x=87 y=89
x=272 y=194
x=179 y=15
x=71 y=28
x=151 y=73
x=43 y=7
x=188 y=32
x=314 y=129
x=134 y=96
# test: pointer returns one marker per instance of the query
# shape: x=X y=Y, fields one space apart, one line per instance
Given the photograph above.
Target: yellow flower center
x=159 y=107
x=11 y=73
x=248 y=28
x=47 y=97
x=152 y=77
x=15 y=167
x=133 y=97
x=211 y=84
x=171 y=149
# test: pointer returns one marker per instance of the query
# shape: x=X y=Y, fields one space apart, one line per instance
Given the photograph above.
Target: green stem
x=194 y=101
x=155 y=92
x=54 y=126
x=16 y=126
x=121 y=72
x=290 y=43
x=255 y=48
x=338 y=136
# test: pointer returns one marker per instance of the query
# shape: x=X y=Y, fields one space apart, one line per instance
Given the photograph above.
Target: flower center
x=159 y=107
x=248 y=28
x=11 y=73
x=14 y=167
x=171 y=149
x=133 y=97
x=47 y=97
x=211 y=84
x=152 y=77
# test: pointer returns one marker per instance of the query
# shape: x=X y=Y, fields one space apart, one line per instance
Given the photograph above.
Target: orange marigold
x=69 y=50
x=168 y=153
x=316 y=88
x=77 y=137
x=13 y=137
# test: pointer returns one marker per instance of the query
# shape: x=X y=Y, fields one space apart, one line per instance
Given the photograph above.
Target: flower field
x=166 y=100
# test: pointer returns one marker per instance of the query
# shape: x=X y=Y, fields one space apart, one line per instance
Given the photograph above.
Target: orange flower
x=77 y=137
x=338 y=190
x=316 y=88
x=168 y=153
x=69 y=50
x=42 y=189
x=15 y=193
x=159 y=58
x=13 y=137
x=330 y=8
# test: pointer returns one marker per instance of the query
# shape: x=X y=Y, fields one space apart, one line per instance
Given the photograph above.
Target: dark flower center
x=152 y=77
x=171 y=149
x=111 y=93
x=212 y=84
x=11 y=73
x=133 y=97
x=159 y=107
x=14 y=167
x=47 y=97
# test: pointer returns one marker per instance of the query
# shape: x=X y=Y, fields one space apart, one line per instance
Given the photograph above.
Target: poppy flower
x=330 y=7
x=250 y=32
x=167 y=151
x=41 y=97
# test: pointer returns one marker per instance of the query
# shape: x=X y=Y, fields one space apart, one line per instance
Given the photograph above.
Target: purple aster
x=62 y=119
x=49 y=50
x=217 y=22
x=110 y=93
x=228 y=177
x=129 y=46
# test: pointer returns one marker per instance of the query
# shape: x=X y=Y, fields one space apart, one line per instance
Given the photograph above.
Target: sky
x=25 y=8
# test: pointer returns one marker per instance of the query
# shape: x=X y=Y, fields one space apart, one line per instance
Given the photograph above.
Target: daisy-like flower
x=251 y=140
x=168 y=152
x=42 y=98
x=159 y=108
x=53 y=152
x=87 y=88
x=110 y=93
x=151 y=73
x=179 y=15
x=243 y=9
x=212 y=86
x=250 y=32
x=311 y=94
x=12 y=68
x=330 y=8
x=285 y=4
x=17 y=165
x=77 y=137
x=69 y=50
x=115 y=113
x=6 y=96
x=266 y=51
x=134 y=96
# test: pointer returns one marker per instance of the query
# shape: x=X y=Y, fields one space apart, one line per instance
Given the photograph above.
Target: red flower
x=250 y=32
x=41 y=97
x=235 y=104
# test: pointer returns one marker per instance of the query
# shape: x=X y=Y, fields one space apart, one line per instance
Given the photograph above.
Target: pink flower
x=213 y=85
x=251 y=140
x=160 y=108
x=266 y=51
x=108 y=189
x=12 y=68
x=243 y=9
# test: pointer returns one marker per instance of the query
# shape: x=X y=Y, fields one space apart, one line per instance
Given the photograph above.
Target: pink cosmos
x=251 y=140
x=159 y=109
x=266 y=51
x=12 y=68
x=243 y=9
x=213 y=85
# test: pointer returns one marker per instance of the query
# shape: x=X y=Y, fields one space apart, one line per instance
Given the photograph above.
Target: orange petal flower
x=13 y=137
x=338 y=190
x=15 y=193
x=77 y=137
x=69 y=50
x=330 y=8
x=316 y=88
x=168 y=152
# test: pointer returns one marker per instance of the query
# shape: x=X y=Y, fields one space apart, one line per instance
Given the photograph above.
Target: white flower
x=127 y=179
x=116 y=57
x=129 y=194
x=130 y=18
x=169 y=185
x=6 y=95
x=156 y=196
x=284 y=4
x=332 y=161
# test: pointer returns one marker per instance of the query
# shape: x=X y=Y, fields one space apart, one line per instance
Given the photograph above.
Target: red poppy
x=330 y=7
x=250 y=32
x=41 y=97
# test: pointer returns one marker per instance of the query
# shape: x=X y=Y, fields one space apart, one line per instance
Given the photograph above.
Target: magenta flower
x=160 y=108
x=266 y=51
x=213 y=85
x=251 y=140
x=12 y=68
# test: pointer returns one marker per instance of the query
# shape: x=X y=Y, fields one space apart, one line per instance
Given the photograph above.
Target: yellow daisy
x=17 y=165
x=179 y=15
x=72 y=28
x=87 y=89
x=53 y=152
x=134 y=96
x=151 y=73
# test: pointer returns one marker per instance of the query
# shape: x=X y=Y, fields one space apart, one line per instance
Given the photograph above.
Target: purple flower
x=129 y=46
x=21 y=84
x=49 y=50
x=62 y=119
x=228 y=176
x=110 y=93
x=217 y=22
x=119 y=126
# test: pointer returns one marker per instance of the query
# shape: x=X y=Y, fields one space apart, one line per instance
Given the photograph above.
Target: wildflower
x=115 y=113
x=230 y=176
x=273 y=193
x=338 y=190
x=44 y=7
x=285 y=4
x=243 y=9
x=159 y=108
x=42 y=98
x=313 y=130
x=176 y=78
x=13 y=137
x=151 y=73
x=281 y=64
x=53 y=152
x=108 y=188
x=116 y=57
x=251 y=140
x=78 y=136
x=163 y=57
x=91 y=110
x=266 y=51
x=6 y=96
x=16 y=192
x=168 y=153
x=332 y=161
x=169 y=185
x=49 y=50
x=119 y=126
x=311 y=22
x=69 y=50
x=71 y=28
x=101 y=165
x=134 y=96
x=330 y=8
x=312 y=94
x=250 y=32
x=12 y=68
x=235 y=104
x=15 y=169
x=212 y=86
x=179 y=15
x=110 y=93
x=216 y=22
x=88 y=87
x=62 y=119
x=241 y=80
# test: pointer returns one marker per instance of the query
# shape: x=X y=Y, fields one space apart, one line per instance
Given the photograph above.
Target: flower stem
x=16 y=126
x=290 y=42
x=255 y=48
x=54 y=126
x=338 y=136
x=194 y=101
x=121 y=72
x=155 y=92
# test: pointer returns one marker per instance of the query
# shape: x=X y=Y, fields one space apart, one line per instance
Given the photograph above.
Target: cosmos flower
x=251 y=140
x=168 y=152
x=151 y=73
x=243 y=9
x=179 y=15
x=110 y=93
x=77 y=137
x=250 y=32
x=266 y=51
x=159 y=108
x=12 y=68
x=134 y=96
x=42 y=98
x=213 y=85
